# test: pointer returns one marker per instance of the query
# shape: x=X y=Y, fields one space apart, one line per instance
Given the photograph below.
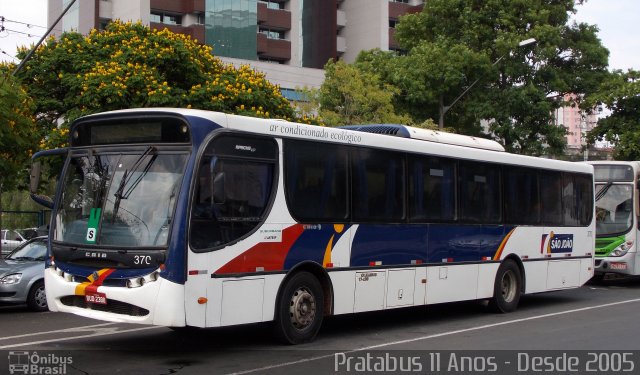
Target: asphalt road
x=595 y=327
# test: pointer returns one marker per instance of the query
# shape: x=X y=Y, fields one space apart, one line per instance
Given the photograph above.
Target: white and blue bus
x=179 y=217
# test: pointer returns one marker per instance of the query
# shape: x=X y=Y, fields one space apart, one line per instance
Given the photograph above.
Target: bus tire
x=300 y=308
x=507 y=288
x=37 y=299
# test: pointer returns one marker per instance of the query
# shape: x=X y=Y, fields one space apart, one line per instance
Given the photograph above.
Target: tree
x=18 y=135
x=453 y=44
x=352 y=96
x=422 y=80
x=128 y=65
x=620 y=93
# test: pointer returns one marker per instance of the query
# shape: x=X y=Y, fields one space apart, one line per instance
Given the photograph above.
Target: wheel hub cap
x=302 y=309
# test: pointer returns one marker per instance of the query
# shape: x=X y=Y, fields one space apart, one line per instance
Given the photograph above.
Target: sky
x=618 y=21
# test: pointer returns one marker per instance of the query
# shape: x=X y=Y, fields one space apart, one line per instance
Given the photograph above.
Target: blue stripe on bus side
x=403 y=244
x=400 y=244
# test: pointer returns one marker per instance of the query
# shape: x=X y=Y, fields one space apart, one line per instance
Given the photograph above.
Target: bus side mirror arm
x=35 y=175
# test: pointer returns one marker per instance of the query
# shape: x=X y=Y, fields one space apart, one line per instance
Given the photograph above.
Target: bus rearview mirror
x=34 y=177
x=34 y=186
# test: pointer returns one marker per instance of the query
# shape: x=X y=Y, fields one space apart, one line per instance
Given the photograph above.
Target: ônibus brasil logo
x=33 y=363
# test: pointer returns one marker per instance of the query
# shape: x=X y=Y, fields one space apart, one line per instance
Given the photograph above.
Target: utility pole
x=21 y=65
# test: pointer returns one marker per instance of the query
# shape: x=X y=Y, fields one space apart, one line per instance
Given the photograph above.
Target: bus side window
x=551 y=196
x=316 y=177
x=584 y=192
x=569 y=204
x=431 y=189
x=232 y=191
x=378 y=185
x=479 y=186
x=521 y=196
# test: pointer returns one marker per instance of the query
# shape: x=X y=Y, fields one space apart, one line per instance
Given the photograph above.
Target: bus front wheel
x=299 y=310
x=507 y=288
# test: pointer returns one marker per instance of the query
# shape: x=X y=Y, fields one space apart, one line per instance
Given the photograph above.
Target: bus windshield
x=614 y=209
x=119 y=199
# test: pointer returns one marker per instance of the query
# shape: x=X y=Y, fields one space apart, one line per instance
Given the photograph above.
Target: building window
x=103 y=23
x=172 y=19
x=274 y=4
x=167 y=19
x=200 y=19
x=393 y=23
x=272 y=34
x=155 y=17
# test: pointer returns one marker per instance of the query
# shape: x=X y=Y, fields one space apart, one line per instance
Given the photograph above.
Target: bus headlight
x=134 y=283
x=622 y=249
x=140 y=281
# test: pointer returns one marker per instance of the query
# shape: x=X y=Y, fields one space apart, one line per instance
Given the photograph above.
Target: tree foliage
x=18 y=135
x=128 y=65
x=349 y=95
x=620 y=93
x=455 y=44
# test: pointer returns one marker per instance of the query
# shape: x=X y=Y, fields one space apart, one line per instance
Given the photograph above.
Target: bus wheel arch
x=508 y=286
x=304 y=298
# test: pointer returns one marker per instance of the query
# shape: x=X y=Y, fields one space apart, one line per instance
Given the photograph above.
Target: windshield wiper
x=128 y=174
x=603 y=191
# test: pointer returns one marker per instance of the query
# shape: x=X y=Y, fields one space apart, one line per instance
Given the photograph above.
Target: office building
x=578 y=123
x=288 y=40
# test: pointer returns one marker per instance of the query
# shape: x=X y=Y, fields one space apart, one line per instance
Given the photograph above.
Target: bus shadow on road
x=259 y=337
x=424 y=318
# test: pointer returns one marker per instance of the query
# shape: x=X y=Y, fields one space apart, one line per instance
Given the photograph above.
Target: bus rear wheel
x=507 y=288
x=299 y=311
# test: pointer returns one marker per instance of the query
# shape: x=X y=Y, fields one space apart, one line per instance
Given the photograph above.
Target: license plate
x=618 y=266
x=97 y=298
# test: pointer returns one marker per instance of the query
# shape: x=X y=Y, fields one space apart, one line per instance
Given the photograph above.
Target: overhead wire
x=4 y=19
x=20 y=32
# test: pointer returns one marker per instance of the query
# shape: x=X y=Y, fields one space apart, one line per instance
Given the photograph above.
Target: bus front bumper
x=158 y=303
x=622 y=265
